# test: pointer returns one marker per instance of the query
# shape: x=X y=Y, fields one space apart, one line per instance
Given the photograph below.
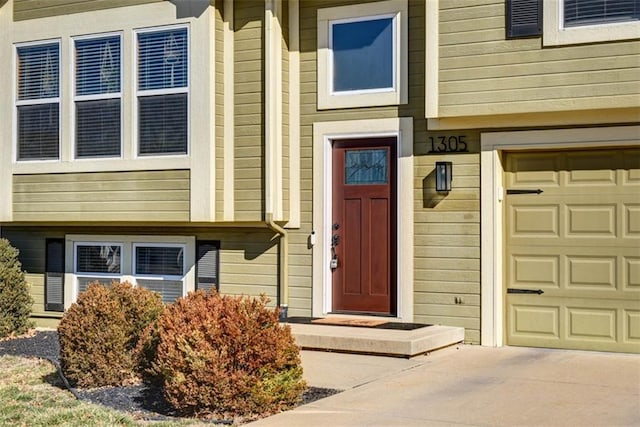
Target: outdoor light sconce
x=444 y=175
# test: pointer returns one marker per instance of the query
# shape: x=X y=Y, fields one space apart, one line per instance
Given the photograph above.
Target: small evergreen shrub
x=99 y=334
x=15 y=301
x=226 y=357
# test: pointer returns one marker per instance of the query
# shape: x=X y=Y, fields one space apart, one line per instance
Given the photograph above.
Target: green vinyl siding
x=32 y=9
x=107 y=196
x=249 y=110
x=219 y=117
x=248 y=257
x=446 y=232
x=482 y=73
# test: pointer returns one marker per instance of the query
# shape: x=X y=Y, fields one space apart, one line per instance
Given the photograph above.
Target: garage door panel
x=539 y=221
x=632 y=221
x=591 y=324
x=535 y=271
x=578 y=241
x=631 y=274
x=535 y=321
x=591 y=272
x=591 y=220
x=631 y=326
x=537 y=169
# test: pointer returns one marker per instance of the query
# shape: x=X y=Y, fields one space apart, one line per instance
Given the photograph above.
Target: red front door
x=363 y=228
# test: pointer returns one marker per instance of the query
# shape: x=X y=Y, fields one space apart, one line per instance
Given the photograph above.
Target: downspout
x=273 y=117
x=283 y=263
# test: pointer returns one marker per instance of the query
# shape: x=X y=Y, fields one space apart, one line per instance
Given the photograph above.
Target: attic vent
x=524 y=18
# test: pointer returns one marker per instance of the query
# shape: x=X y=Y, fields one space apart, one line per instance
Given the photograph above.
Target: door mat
x=341 y=321
x=359 y=323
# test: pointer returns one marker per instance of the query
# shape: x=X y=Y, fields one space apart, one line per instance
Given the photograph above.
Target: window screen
x=98 y=93
x=589 y=12
x=363 y=54
x=38 y=78
x=163 y=71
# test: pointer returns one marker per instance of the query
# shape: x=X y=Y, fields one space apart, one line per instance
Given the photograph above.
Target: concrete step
x=363 y=340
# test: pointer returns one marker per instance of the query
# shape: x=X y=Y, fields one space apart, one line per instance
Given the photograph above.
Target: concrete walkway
x=471 y=386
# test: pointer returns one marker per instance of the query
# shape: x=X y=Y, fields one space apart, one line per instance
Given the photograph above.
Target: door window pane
x=364 y=167
x=362 y=55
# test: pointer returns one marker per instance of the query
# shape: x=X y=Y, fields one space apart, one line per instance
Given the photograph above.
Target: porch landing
x=397 y=342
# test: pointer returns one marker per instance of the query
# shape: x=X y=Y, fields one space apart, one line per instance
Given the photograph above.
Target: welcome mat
x=349 y=322
x=360 y=323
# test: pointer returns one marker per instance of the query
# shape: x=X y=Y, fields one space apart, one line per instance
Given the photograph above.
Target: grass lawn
x=31 y=394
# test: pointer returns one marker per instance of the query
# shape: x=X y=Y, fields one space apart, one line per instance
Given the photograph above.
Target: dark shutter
x=207 y=265
x=524 y=18
x=54 y=275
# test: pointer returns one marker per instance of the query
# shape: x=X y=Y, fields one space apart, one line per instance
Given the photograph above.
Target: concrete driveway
x=472 y=386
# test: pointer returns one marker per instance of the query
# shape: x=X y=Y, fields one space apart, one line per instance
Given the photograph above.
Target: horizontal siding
x=249 y=114
x=447 y=240
x=219 y=110
x=109 y=196
x=32 y=9
x=483 y=73
x=248 y=258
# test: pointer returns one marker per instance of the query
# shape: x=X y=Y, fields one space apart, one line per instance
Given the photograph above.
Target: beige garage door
x=572 y=251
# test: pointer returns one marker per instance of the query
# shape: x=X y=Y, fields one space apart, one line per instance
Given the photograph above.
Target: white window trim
x=324 y=133
x=113 y=95
x=17 y=103
x=555 y=33
x=127 y=259
x=142 y=93
x=398 y=10
x=493 y=144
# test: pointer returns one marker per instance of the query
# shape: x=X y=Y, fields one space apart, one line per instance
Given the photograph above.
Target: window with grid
x=101 y=261
x=162 y=89
x=98 y=97
x=593 y=12
x=38 y=101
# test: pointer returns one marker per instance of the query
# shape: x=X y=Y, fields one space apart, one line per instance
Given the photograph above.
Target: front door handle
x=524 y=291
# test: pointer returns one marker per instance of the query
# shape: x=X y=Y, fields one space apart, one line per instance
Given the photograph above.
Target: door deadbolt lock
x=335 y=239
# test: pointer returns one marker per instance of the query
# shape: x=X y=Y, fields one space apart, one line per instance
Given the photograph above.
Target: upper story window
x=162 y=89
x=98 y=94
x=38 y=101
x=362 y=55
x=590 y=21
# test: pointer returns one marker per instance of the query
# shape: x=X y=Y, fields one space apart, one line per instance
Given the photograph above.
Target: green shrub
x=100 y=332
x=226 y=357
x=15 y=300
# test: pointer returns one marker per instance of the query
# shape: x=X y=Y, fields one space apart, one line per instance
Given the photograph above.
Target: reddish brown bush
x=226 y=357
x=100 y=332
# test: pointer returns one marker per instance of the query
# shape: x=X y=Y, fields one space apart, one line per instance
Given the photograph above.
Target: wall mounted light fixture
x=444 y=176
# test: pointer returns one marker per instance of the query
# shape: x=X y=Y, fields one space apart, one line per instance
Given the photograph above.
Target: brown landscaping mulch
x=141 y=400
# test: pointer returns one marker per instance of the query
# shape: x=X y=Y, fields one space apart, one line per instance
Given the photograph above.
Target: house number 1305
x=448 y=144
